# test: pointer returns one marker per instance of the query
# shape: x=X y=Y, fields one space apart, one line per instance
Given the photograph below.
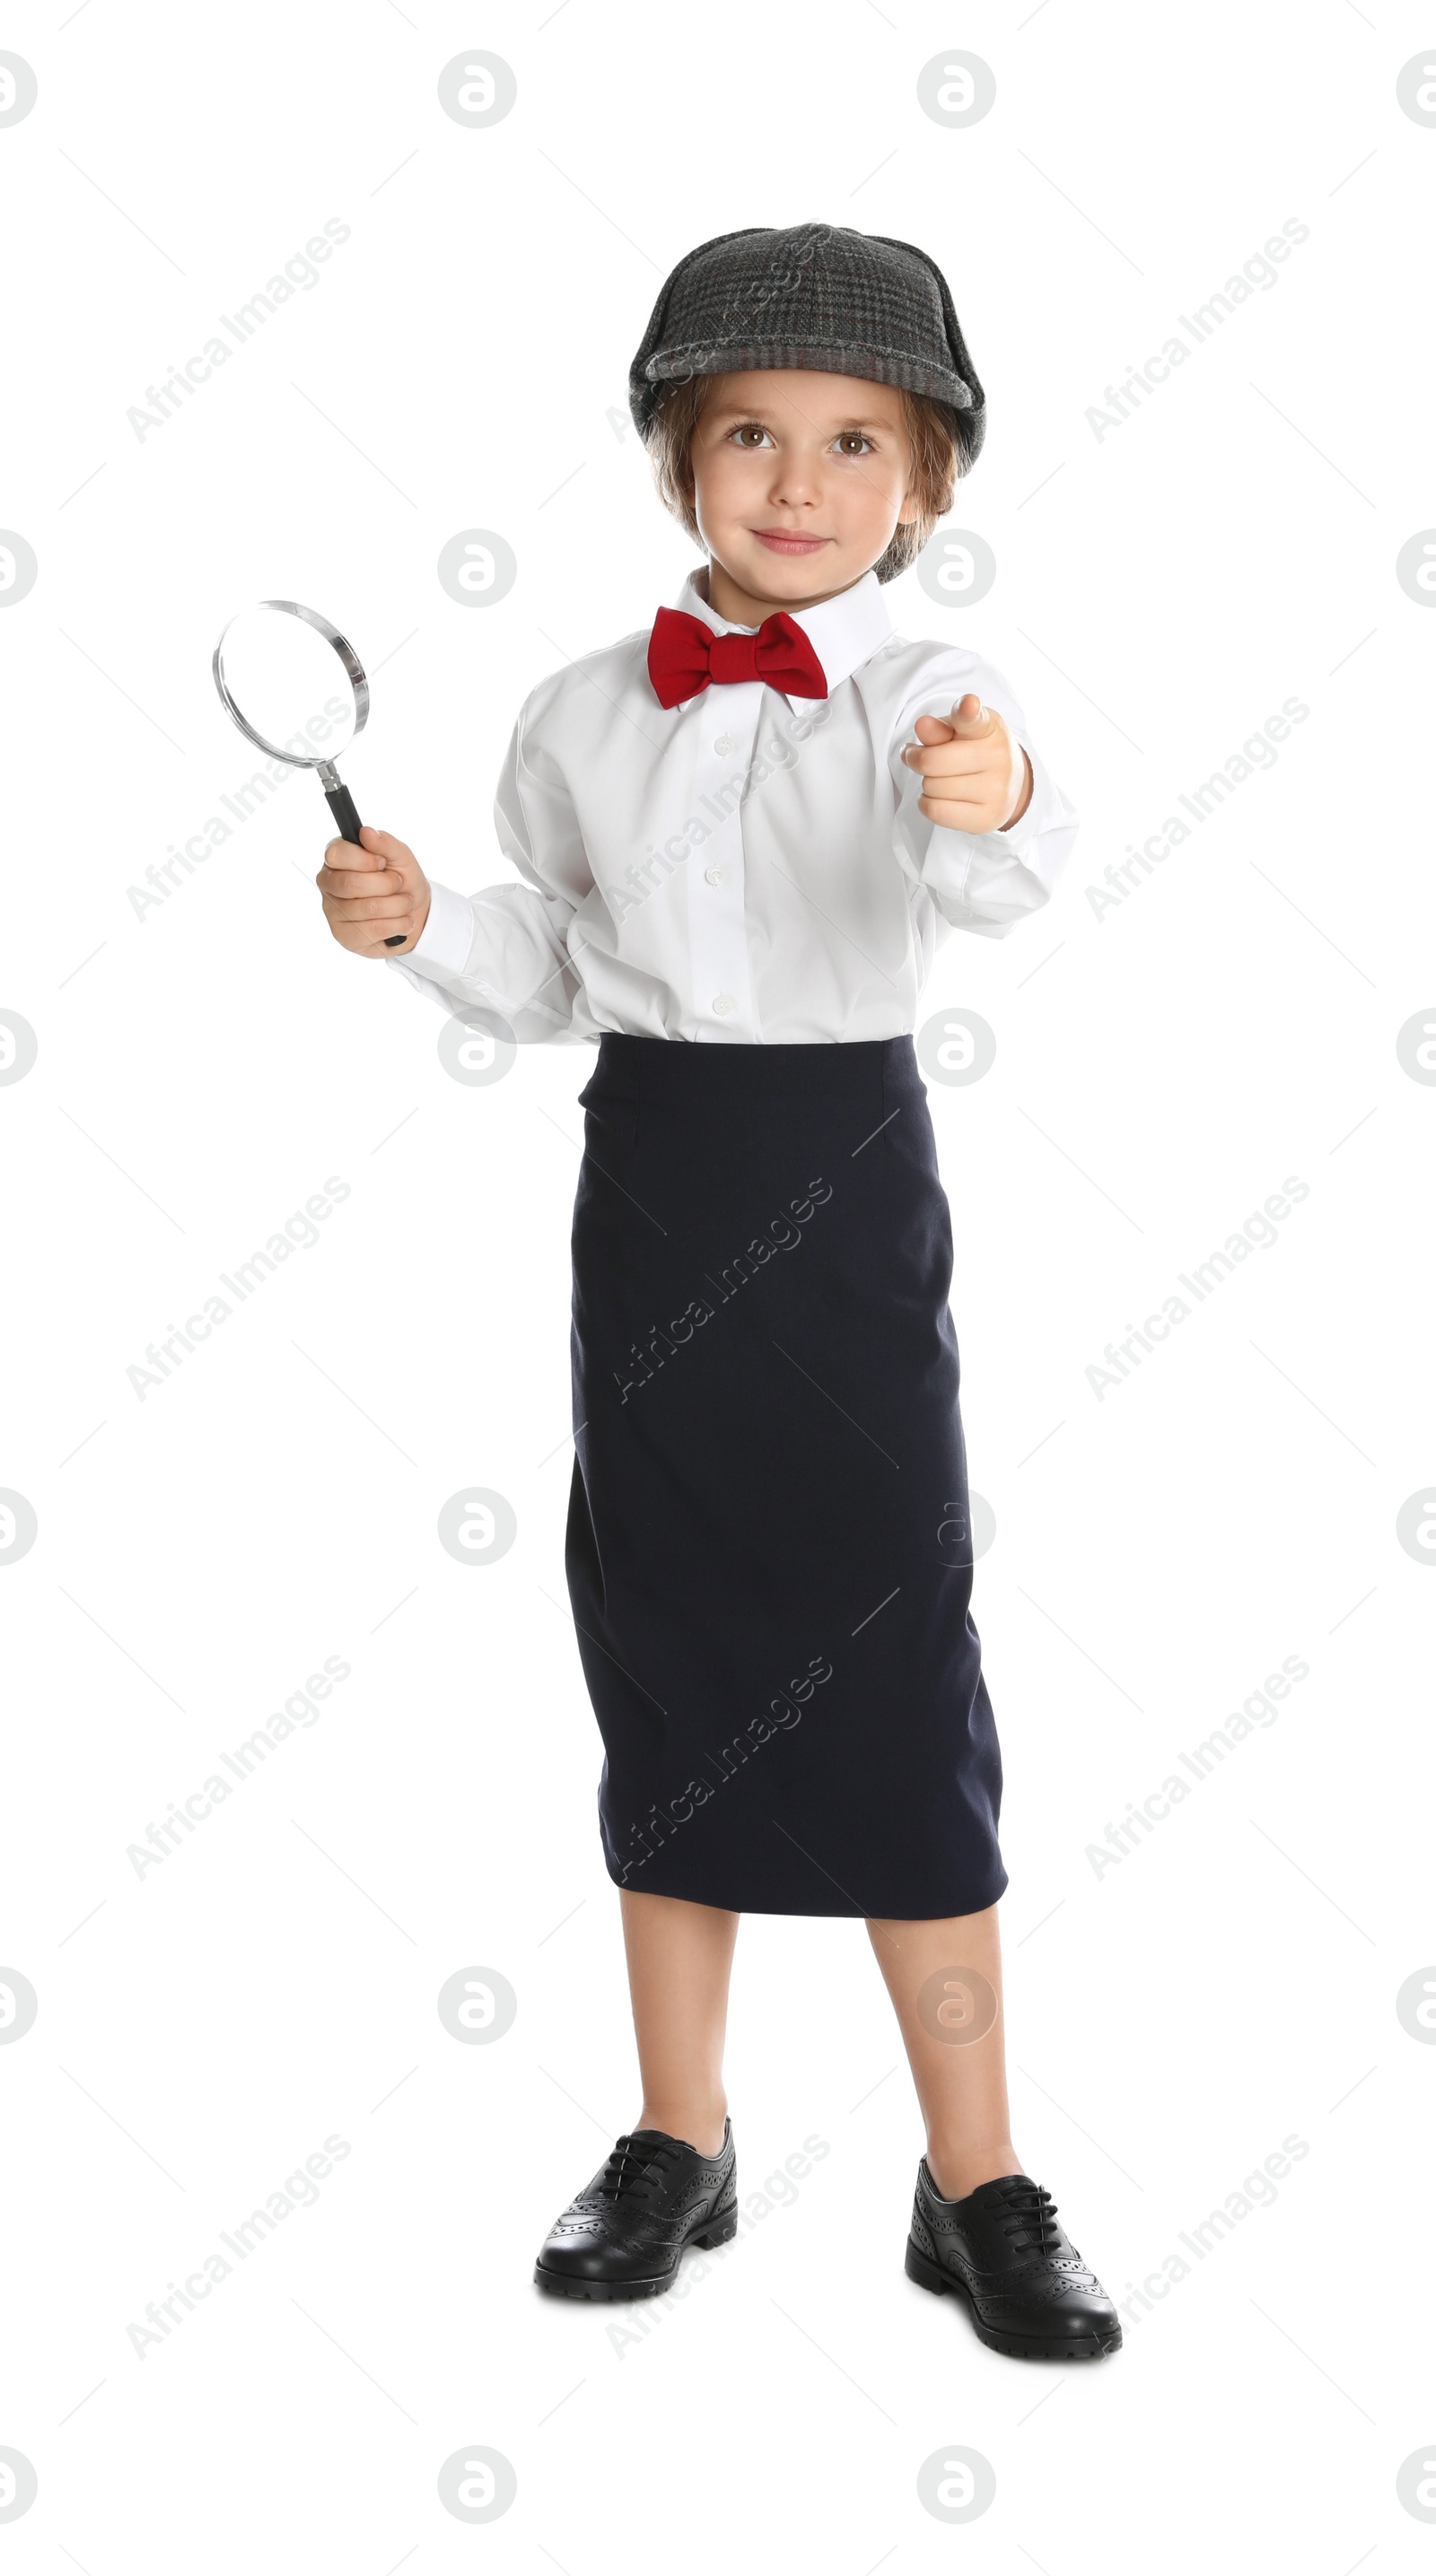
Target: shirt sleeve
x=505 y=950
x=980 y=881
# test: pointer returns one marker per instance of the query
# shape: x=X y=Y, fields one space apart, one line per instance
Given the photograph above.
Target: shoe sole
x=1080 y=2347
x=714 y=2231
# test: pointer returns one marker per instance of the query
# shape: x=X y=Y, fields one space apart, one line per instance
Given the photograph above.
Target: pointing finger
x=933 y=732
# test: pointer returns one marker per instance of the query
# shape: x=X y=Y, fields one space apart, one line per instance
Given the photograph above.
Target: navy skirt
x=768 y=1548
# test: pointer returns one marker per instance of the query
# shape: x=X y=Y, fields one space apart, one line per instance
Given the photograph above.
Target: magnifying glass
x=274 y=668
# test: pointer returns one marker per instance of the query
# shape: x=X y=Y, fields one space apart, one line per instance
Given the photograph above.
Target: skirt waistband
x=668 y=1065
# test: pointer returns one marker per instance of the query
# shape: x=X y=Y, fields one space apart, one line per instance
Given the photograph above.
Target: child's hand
x=373 y=892
x=976 y=778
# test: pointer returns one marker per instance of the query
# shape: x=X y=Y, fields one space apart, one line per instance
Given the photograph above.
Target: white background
x=205 y=1066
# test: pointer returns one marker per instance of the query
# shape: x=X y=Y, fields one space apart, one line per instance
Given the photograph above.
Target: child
x=740 y=838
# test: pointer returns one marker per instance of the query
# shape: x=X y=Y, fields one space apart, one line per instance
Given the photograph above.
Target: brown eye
x=853 y=442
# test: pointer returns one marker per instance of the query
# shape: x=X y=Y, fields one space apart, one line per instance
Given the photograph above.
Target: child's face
x=799 y=479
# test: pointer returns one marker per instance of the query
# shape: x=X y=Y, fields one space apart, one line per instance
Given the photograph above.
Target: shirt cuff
x=988 y=881
x=444 y=944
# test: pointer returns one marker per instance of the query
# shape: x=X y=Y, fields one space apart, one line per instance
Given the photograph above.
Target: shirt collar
x=844 y=631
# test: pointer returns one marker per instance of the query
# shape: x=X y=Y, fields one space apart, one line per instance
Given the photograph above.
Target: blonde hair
x=936 y=447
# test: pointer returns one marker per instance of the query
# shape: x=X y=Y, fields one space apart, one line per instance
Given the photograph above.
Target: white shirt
x=748 y=867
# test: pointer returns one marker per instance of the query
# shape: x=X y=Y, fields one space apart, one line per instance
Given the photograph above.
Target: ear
x=911 y=509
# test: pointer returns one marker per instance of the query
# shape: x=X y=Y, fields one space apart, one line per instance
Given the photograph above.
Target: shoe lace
x=636 y=2169
x=1031 y=2221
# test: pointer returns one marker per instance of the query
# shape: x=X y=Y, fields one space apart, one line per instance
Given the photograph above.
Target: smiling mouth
x=787 y=541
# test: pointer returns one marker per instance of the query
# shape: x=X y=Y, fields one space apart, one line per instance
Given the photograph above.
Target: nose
x=795 y=482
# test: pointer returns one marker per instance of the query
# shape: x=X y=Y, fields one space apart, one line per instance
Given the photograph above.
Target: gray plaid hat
x=811 y=295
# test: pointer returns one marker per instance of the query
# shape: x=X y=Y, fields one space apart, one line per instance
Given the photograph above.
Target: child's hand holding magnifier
x=274 y=668
x=374 y=894
x=975 y=777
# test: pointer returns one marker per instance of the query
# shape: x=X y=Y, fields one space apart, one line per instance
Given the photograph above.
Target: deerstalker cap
x=810 y=295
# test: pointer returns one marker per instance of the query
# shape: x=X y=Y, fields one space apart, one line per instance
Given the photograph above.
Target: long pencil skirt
x=768 y=1549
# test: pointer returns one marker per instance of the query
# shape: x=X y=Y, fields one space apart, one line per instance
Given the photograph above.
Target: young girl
x=741 y=836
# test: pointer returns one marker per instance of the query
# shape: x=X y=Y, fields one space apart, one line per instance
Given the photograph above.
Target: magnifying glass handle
x=346 y=823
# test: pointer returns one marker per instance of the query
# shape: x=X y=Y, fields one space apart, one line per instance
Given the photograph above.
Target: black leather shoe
x=623 y=2237
x=1027 y=2286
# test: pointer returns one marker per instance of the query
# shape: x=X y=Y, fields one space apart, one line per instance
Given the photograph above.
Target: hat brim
x=680 y=363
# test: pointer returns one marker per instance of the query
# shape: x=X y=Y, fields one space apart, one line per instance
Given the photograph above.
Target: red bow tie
x=685 y=656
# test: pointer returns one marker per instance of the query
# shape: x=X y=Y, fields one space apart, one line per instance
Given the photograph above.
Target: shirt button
x=723 y=745
x=715 y=876
x=723 y=1003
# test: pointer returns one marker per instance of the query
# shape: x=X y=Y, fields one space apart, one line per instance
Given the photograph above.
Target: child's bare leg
x=679 y=1958
x=945 y=1979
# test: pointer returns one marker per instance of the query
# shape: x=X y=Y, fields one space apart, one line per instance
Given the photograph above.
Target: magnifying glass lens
x=287 y=679
x=295 y=685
